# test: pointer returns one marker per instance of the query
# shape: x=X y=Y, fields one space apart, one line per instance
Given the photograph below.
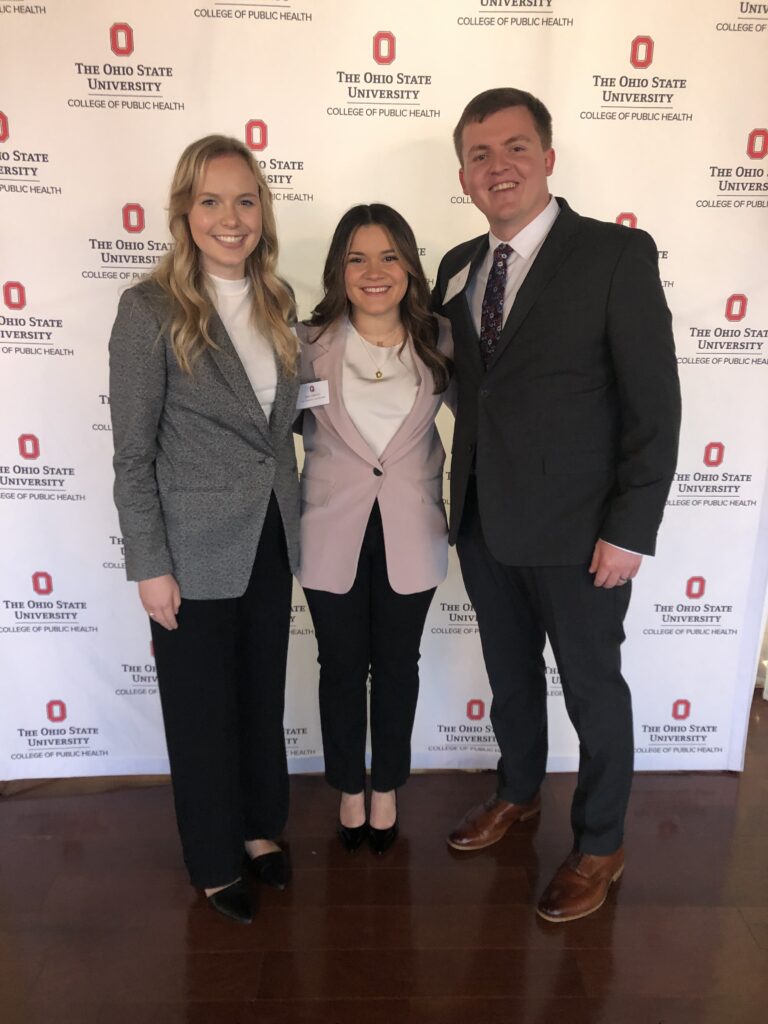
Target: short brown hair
x=492 y=101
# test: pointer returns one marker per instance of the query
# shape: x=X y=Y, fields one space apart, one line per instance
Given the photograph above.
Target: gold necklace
x=367 y=348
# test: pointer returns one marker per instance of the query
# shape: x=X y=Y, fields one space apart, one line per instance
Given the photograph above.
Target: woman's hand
x=161 y=598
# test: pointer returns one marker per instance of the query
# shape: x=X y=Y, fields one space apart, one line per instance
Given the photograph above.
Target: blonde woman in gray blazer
x=203 y=389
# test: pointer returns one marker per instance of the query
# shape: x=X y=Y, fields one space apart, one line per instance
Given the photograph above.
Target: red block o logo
x=256 y=135
x=695 y=587
x=4 y=129
x=629 y=220
x=681 y=709
x=757 y=144
x=736 y=308
x=133 y=218
x=29 y=446
x=56 y=711
x=714 y=453
x=641 y=52
x=475 y=710
x=384 y=48
x=14 y=295
x=121 y=39
x=42 y=583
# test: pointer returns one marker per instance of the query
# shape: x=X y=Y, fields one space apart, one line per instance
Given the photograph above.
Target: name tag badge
x=312 y=394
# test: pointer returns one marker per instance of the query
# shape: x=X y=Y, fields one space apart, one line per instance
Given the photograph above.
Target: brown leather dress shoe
x=487 y=823
x=580 y=885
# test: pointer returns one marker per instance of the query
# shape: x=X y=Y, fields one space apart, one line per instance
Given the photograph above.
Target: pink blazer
x=342 y=478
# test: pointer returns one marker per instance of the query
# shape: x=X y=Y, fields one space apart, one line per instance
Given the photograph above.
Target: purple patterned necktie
x=492 y=318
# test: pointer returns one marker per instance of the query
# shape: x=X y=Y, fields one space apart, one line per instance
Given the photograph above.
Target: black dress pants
x=221 y=676
x=371 y=627
x=517 y=607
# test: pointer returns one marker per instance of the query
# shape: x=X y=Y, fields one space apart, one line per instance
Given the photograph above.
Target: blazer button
x=377 y=471
x=484 y=392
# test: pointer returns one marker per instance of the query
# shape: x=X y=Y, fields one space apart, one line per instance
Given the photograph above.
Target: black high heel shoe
x=380 y=839
x=234 y=902
x=352 y=838
x=271 y=868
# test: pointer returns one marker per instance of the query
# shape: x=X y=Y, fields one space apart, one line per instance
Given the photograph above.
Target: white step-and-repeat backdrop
x=661 y=122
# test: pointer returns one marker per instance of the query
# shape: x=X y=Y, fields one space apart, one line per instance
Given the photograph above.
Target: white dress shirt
x=525 y=245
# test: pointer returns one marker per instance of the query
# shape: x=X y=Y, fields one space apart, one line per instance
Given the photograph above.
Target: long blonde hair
x=180 y=272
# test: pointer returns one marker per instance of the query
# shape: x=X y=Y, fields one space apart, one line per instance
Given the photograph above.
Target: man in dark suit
x=564 y=450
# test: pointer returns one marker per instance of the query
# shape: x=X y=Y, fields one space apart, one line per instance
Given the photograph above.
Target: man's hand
x=612 y=566
x=161 y=598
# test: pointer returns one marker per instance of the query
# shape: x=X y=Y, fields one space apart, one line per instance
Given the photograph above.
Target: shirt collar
x=527 y=241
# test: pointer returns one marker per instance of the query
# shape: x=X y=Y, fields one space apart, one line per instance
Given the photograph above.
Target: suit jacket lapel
x=556 y=247
x=226 y=358
x=284 y=408
x=458 y=311
x=422 y=404
x=327 y=365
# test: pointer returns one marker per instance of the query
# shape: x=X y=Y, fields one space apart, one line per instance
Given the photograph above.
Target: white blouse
x=232 y=300
x=377 y=405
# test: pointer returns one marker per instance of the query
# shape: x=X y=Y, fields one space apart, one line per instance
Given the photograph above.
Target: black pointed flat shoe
x=233 y=901
x=271 y=868
x=352 y=838
x=380 y=839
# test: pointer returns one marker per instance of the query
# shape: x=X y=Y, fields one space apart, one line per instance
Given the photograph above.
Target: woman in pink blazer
x=375 y=368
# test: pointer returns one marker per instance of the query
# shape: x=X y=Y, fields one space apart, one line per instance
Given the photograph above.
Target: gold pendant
x=379 y=375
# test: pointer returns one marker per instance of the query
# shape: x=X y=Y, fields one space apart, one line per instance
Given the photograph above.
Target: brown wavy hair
x=180 y=272
x=415 y=315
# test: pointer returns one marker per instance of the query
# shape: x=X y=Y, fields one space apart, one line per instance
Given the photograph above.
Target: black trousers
x=517 y=607
x=370 y=628
x=221 y=676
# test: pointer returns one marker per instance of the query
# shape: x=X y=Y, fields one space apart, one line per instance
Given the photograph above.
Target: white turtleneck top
x=232 y=300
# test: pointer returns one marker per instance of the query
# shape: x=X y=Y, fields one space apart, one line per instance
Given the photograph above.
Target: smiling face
x=505 y=169
x=225 y=218
x=374 y=277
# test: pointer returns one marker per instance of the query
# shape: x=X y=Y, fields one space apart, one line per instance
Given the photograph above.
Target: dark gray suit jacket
x=195 y=458
x=572 y=429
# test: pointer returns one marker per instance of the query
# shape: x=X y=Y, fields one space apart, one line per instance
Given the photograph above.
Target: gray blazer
x=195 y=458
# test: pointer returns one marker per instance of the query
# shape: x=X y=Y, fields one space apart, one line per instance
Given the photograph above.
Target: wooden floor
x=98 y=923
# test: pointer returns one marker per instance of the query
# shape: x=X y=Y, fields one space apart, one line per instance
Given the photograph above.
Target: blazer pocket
x=432 y=490
x=210 y=503
x=316 y=492
x=205 y=486
x=196 y=517
x=578 y=462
